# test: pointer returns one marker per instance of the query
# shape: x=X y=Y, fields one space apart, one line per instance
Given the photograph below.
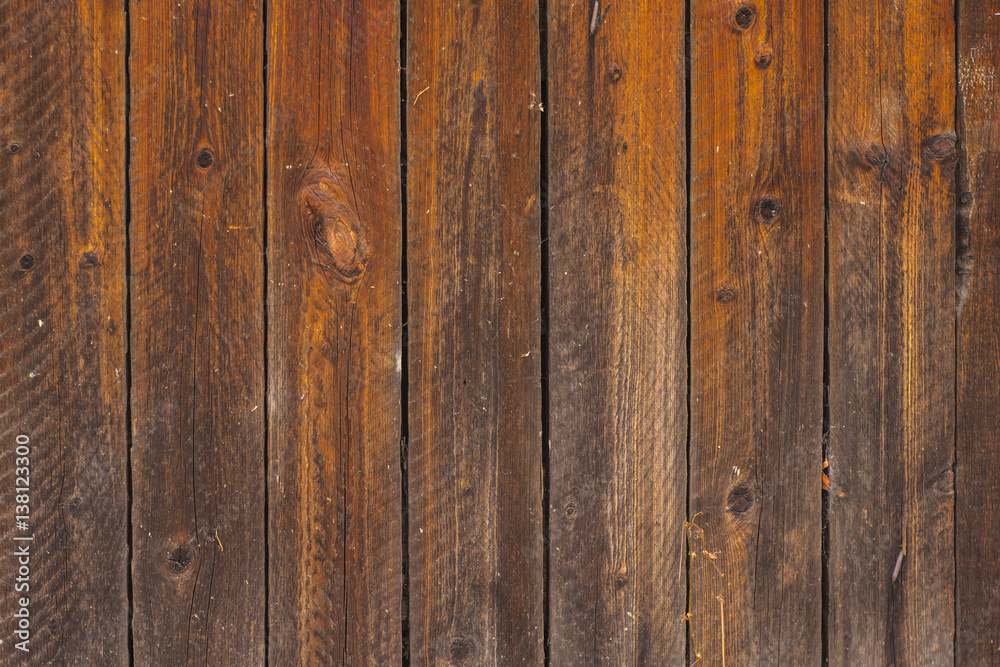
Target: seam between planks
x=404 y=376
x=543 y=222
x=267 y=348
x=128 y=322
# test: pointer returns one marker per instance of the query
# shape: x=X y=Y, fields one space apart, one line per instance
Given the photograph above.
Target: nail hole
x=26 y=262
x=615 y=72
x=743 y=17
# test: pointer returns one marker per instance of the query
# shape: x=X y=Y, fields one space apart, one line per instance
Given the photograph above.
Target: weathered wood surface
x=608 y=238
x=756 y=332
x=891 y=332
x=473 y=261
x=63 y=331
x=334 y=338
x=977 y=477
x=618 y=368
x=197 y=337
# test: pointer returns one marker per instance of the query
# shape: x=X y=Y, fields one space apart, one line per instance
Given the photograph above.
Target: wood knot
x=180 y=559
x=614 y=72
x=940 y=146
x=762 y=56
x=944 y=483
x=740 y=500
x=205 y=158
x=74 y=505
x=743 y=17
x=768 y=209
x=461 y=650
x=876 y=156
x=570 y=510
x=14 y=148
x=725 y=294
x=338 y=241
x=621 y=580
x=89 y=260
x=26 y=262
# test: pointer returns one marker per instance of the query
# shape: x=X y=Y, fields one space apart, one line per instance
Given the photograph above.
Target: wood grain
x=977 y=475
x=475 y=476
x=334 y=304
x=756 y=332
x=618 y=283
x=891 y=332
x=63 y=329
x=197 y=337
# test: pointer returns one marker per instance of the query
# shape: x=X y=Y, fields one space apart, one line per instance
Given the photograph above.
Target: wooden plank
x=475 y=476
x=618 y=320
x=977 y=475
x=62 y=330
x=334 y=228
x=197 y=335
x=891 y=332
x=756 y=332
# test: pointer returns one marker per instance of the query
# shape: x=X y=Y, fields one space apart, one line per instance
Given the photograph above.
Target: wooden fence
x=500 y=332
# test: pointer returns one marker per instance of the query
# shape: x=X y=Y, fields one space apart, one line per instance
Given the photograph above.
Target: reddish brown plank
x=334 y=228
x=756 y=332
x=62 y=332
x=474 y=365
x=197 y=337
x=977 y=475
x=891 y=332
x=618 y=320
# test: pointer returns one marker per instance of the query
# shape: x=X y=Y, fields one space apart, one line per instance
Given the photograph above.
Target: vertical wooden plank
x=62 y=331
x=891 y=332
x=757 y=331
x=334 y=228
x=474 y=365
x=977 y=539
x=197 y=335
x=618 y=321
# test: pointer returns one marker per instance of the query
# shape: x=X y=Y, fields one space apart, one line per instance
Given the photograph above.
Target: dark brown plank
x=618 y=283
x=197 y=337
x=334 y=228
x=891 y=332
x=756 y=332
x=474 y=364
x=977 y=475
x=62 y=330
